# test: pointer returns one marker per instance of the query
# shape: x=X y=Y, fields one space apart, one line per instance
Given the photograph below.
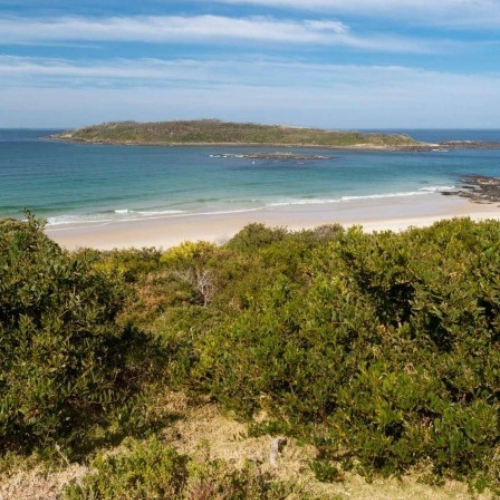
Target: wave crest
x=319 y=201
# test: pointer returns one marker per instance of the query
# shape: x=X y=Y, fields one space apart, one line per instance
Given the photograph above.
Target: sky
x=338 y=64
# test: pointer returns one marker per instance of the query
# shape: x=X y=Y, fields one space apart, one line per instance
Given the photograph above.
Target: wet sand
x=372 y=214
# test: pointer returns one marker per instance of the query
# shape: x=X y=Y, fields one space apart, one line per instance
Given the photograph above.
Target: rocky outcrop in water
x=274 y=156
x=478 y=189
x=470 y=145
x=444 y=147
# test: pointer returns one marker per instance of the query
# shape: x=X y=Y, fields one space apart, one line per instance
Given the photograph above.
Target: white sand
x=167 y=231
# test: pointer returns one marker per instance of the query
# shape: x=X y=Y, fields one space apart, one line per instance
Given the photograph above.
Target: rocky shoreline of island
x=209 y=144
x=442 y=147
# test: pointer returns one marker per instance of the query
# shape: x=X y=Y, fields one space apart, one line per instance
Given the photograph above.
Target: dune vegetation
x=373 y=355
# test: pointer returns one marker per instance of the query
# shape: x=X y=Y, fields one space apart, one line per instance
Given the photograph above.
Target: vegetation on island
x=380 y=351
x=213 y=132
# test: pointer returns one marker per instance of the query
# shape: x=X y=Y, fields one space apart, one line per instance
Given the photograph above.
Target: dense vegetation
x=217 y=132
x=65 y=363
x=382 y=350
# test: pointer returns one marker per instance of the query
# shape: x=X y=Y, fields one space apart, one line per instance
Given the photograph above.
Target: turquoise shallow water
x=71 y=183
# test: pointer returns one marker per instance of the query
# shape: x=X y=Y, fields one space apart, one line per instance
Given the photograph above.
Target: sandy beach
x=167 y=231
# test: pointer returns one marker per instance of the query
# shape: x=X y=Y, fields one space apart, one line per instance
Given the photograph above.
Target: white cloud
x=457 y=13
x=15 y=68
x=164 y=29
x=41 y=92
x=22 y=71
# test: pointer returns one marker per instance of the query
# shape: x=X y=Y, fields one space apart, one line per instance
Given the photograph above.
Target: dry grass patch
x=205 y=433
x=39 y=484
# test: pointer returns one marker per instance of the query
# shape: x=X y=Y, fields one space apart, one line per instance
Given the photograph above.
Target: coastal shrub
x=130 y=264
x=380 y=349
x=152 y=470
x=254 y=237
x=383 y=347
x=188 y=263
x=294 y=256
x=155 y=293
x=226 y=277
x=257 y=256
x=64 y=361
x=189 y=253
x=142 y=471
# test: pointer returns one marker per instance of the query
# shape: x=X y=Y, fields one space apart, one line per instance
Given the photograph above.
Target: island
x=212 y=132
x=219 y=133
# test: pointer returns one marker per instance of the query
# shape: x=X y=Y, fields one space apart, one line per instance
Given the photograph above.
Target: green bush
x=131 y=264
x=384 y=347
x=254 y=237
x=380 y=349
x=65 y=362
x=146 y=471
x=151 y=470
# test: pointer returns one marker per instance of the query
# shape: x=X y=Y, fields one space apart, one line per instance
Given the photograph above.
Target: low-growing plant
x=152 y=470
x=326 y=472
x=143 y=471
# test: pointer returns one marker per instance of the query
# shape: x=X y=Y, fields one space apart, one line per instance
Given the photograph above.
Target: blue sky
x=327 y=63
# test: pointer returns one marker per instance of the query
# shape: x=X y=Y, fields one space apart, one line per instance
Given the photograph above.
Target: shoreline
x=422 y=147
x=171 y=230
x=418 y=147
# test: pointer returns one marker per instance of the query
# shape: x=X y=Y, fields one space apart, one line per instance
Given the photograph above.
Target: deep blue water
x=68 y=182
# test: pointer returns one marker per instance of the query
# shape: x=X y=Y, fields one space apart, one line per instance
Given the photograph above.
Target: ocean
x=68 y=183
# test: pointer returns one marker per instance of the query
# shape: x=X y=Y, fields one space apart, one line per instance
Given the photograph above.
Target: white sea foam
x=79 y=219
x=149 y=212
x=316 y=201
x=226 y=212
x=122 y=215
x=126 y=214
x=437 y=189
x=322 y=201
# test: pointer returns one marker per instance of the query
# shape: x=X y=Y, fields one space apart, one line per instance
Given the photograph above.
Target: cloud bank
x=194 y=29
x=478 y=14
x=61 y=93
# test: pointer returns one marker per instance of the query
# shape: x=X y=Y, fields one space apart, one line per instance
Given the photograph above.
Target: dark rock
x=274 y=156
x=478 y=189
